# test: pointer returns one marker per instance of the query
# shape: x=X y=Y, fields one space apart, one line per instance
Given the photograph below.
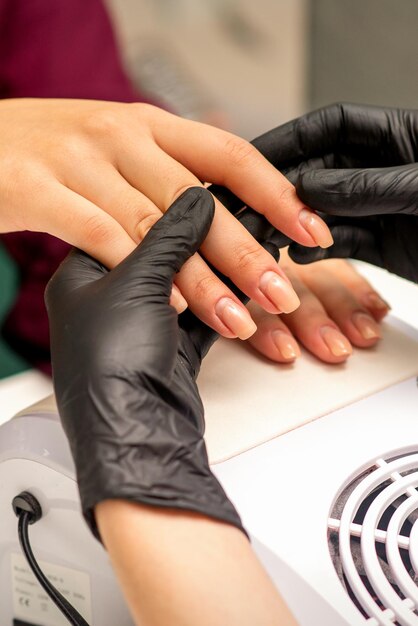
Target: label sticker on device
x=33 y=606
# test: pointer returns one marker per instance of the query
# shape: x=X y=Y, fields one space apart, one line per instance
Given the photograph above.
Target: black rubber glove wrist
x=124 y=368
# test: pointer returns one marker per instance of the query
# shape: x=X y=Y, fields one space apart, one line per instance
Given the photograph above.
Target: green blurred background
x=10 y=362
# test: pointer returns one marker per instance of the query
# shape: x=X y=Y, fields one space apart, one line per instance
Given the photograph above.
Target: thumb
x=77 y=269
x=361 y=192
x=168 y=245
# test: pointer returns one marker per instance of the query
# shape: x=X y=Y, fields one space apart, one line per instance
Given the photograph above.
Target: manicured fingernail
x=177 y=300
x=236 y=318
x=286 y=345
x=366 y=325
x=279 y=292
x=336 y=342
x=376 y=302
x=316 y=227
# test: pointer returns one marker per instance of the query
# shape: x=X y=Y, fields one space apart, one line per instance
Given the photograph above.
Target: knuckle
x=286 y=194
x=145 y=221
x=102 y=122
x=144 y=109
x=248 y=254
x=73 y=148
x=239 y=151
x=204 y=286
x=98 y=231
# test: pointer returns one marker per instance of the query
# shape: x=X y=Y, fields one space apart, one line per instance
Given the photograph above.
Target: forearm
x=184 y=569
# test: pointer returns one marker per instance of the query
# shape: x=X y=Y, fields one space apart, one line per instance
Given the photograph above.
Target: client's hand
x=100 y=174
x=124 y=367
x=338 y=309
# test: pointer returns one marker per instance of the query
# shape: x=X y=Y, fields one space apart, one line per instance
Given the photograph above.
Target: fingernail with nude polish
x=279 y=292
x=374 y=301
x=286 y=345
x=335 y=341
x=366 y=325
x=316 y=227
x=236 y=318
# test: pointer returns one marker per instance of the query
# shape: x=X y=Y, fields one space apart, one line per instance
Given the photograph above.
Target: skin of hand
x=219 y=581
x=339 y=309
x=359 y=165
x=100 y=174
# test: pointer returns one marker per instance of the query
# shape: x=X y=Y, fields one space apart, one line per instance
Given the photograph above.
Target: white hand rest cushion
x=249 y=400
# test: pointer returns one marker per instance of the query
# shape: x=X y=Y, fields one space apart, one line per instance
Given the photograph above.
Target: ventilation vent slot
x=373 y=541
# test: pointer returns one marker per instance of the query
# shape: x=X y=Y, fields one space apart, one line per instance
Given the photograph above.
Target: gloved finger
x=360 y=192
x=350 y=242
x=152 y=265
x=227 y=198
x=294 y=172
x=77 y=269
x=311 y=135
x=373 y=136
x=169 y=243
x=261 y=229
x=290 y=145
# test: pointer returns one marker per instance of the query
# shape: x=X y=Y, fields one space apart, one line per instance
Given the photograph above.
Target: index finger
x=217 y=156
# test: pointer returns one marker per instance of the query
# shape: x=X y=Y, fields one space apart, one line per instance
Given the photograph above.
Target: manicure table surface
x=217 y=379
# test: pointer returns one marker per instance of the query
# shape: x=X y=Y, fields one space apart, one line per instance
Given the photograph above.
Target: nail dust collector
x=331 y=503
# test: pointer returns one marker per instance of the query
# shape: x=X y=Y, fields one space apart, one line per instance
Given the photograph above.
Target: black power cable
x=29 y=511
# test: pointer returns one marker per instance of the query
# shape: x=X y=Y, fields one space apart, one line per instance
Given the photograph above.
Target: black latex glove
x=124 y=367
x=359 y=164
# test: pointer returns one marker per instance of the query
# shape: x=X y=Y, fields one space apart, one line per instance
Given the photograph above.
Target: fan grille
x=373 y=540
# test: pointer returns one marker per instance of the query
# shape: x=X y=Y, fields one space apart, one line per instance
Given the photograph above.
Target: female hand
x=100 y=174
x=339 y=309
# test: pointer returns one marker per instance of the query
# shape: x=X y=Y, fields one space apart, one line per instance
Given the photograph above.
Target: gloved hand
x=359 y=164
x=125 y=367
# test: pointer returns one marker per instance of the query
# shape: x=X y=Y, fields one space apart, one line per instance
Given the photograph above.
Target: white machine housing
x=285 y=490
x=300 y=496
x=35 y=457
